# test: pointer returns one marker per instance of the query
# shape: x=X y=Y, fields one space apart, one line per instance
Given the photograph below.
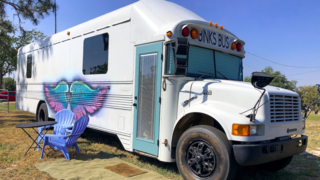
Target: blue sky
x=286 y=31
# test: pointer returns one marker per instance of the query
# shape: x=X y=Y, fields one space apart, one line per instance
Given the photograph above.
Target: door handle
x=134 y=104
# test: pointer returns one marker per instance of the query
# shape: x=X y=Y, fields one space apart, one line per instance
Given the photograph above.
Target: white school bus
x=169 y=84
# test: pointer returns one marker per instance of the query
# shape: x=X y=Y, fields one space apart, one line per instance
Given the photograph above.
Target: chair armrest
x=55 y=136
x=67 y=127
x=44 y=127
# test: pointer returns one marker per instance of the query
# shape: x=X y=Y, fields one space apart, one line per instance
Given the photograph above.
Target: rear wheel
x=276 y=165
x=204 y=152
x=42 y=113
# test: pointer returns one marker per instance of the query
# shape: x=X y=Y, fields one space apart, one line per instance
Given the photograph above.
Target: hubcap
x=201 y=158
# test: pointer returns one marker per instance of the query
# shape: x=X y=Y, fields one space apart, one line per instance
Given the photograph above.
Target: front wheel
x=204 y=152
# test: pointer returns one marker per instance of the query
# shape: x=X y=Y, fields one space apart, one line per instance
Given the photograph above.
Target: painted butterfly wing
x=57 y=97
x=84 y=99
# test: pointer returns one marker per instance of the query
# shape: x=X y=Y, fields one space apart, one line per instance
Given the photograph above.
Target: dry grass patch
x=14 y=142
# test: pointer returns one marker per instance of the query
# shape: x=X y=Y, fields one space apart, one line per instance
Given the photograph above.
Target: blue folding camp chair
x=64 y=119
x=62 y=142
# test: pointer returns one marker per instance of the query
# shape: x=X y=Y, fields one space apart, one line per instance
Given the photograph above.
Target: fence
x=4 y=100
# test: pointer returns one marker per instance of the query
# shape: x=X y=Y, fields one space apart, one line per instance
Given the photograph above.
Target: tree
x=9 y=44
x=279 y=80
x=308 y=94
x=9 y=84
x=34 y=10
x=7 y=51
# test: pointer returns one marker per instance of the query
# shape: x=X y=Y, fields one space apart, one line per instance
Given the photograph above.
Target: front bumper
x=253 y=154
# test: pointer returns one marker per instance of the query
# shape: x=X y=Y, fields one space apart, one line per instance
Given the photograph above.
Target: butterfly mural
x=81 y=98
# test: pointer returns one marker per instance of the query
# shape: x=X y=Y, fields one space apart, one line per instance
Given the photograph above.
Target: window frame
x=108 y=45
x=214 y=61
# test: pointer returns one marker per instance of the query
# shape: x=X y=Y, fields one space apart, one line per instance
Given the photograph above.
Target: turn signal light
x=241 y=130
x=216 y=25
x=239 y=47
x=233 y=46
x=185 y=32
x=194 y=34
x=169 y=33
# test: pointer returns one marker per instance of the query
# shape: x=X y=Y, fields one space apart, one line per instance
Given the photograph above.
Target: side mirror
x=181 y=56
x=318 y=87
x=260 y=80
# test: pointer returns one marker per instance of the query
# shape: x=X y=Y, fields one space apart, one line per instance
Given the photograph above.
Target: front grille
x=284 y=108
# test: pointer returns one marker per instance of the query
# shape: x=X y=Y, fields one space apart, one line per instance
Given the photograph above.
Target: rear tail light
x=185 y=32
x=239 y=46
x=194 y=34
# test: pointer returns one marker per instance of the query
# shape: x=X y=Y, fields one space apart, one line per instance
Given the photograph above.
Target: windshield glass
x=208 y=63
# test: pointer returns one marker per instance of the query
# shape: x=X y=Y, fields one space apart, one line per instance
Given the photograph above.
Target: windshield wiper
x=223 y=75
x=203 y=73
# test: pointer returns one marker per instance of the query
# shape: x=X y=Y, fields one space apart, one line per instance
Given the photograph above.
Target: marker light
x=169 y=33
x=239 y=46
x=221 y=27
x=194 y=34
x=185 y=32
x=241 y=129
x=68 y=33
x=233 y=46
x=216 y=25
x=210 y=23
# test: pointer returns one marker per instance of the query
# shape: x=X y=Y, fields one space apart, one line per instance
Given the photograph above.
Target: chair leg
x=77 y=148
x=44 y=145
x=65 y=153
x=39 y=140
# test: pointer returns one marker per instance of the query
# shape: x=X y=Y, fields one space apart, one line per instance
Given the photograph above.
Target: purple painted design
x=82 y=99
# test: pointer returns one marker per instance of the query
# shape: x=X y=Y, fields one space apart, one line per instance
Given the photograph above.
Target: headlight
x=247 y=130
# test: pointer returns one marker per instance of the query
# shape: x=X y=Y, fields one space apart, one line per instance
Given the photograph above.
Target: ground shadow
x=112 y=140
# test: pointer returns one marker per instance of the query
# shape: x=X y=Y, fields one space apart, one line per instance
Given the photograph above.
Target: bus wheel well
x=39 y=104
x=188 y=121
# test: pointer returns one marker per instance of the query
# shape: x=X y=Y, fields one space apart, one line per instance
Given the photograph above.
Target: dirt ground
x=14 y=143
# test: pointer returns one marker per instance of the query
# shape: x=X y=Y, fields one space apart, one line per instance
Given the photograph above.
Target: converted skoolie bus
x=169 y=84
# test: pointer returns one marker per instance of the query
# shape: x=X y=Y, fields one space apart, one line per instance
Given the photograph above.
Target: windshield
x=208 y=63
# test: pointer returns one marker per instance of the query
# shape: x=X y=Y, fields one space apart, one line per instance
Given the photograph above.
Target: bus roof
x=149 y=19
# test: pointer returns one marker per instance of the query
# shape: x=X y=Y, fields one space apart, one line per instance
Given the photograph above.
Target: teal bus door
x=147 y=98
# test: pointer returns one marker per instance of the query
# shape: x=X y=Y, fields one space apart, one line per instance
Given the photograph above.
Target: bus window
x=229 y=66
x=95 y=54
x=29 y=65
x=170 y=65
x=201 y=62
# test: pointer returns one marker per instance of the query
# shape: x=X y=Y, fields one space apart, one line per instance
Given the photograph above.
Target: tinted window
x=12 y=93
x=229 y=66
x=95 y=54
x=201 y=62
x=29 y=66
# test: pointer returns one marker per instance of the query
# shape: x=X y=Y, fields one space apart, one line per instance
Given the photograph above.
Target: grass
x=14 y=143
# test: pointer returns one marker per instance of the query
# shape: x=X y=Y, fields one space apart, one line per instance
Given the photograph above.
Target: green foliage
x=279 y=80
x=308 y=94
x=10 y=43
x=9 y=84
x=33 y=10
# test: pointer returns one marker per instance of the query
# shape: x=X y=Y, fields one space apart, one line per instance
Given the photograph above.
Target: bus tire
x=276 y=165
x=42 y=113
x=204 y=152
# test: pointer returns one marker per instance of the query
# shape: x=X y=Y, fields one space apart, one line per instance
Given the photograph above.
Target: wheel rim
x=41 y=115
x=201 y=158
